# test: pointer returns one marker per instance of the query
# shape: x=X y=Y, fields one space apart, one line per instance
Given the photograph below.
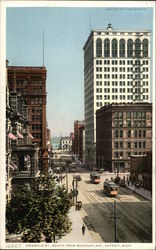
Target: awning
x=12 y=165
x=11 y=136
x=20 y=136
x=30 y=135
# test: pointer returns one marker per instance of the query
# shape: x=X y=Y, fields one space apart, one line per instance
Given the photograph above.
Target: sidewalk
x=141 y=191
x=76 y=236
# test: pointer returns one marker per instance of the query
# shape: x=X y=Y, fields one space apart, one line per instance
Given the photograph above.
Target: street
x=134 y=213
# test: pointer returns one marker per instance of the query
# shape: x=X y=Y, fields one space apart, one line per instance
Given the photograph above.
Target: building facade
x=21 y=155
x=141 y=170
x=78 y=144
x=116 y=69
x=66 y=143
x=123 y=130
x=30 y=82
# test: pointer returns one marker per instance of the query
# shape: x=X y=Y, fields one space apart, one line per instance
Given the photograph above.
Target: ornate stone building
x=30 y=82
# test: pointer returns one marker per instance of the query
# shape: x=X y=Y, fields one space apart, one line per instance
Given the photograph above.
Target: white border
x=28 y=3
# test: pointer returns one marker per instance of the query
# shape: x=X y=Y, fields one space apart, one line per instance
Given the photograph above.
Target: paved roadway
x=134 y=223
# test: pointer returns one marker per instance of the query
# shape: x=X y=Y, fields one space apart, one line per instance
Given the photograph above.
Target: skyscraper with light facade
x=116 y=70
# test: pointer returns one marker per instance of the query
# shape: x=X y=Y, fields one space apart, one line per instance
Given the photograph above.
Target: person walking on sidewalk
x=83 y=229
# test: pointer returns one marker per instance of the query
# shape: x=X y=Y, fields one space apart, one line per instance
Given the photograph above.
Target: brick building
x=122 y=130
x=141 y=170
x=30 y=82
x=79 y=139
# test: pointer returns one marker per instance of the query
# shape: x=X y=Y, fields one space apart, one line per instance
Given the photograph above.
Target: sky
x=65 y=33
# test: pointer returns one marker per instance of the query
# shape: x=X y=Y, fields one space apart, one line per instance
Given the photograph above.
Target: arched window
x=107 y=48
x=145 y=48
x=114 y=48
x=122 y=48
x=98 y=47
x=137 y=47
x=129 y=48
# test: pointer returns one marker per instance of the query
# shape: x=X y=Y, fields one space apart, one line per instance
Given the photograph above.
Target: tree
x=39 y=211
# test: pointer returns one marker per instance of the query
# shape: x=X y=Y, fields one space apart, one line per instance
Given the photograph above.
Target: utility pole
x=76 y=191
x=67 y=178
x=73 y=188
x=115 y=217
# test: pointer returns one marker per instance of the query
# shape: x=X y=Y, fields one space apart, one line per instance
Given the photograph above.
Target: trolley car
x=110 y=188
x=95 y=177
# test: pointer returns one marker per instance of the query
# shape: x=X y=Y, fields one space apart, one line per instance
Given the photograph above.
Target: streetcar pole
x=76 y=191
x=73 y=188
x=67 y=178
x=115 y=218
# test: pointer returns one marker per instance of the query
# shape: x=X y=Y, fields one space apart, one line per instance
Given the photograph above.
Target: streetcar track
x=127 y=218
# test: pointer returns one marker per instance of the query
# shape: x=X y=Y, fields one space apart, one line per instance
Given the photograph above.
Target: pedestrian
x=83 y=229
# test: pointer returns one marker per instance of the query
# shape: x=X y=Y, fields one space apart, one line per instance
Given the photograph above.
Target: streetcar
x=95 y=177
x=110 y=188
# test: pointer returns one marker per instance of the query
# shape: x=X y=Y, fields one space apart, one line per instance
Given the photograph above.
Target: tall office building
x=30 y=82
x=116 y=70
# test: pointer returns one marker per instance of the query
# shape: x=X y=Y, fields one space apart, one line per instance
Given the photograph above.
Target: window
x=135 y=133
x=144 y=144
x=129 y=133
x=128 y=123
x=137 y=47
x=98 y=47
x=121 y=134
x=116 y=133
x=106 y=48
x=130 y=48
x=122 y=48
x=139 y=133
x=121 y=145
x=120 y=115
x=145 y=48
x=128 y=115
x=139 y=144
x=114 y=48
x=144 y=133
x=135 y=144
x=129 y=145
x=116 y=145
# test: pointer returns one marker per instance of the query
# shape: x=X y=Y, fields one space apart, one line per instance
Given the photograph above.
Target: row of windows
x=120 y=154
x=36 y=109
x=122 y=97
x=136 y=133
x=121 y=69
x=129 y=115
x=36 y=100
x=119 y=145
x=123 y=62
x=130 y=49
x=122 y=83
x=36 y=126
x=122 y=76
x=36 y=118
x=37 y=136
x=123 y=90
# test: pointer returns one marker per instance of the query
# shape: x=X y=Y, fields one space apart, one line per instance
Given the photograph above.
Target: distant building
x=122 y=130
x=116 y=70
x=66 y=143
x=30 y=82
x=78 y=147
